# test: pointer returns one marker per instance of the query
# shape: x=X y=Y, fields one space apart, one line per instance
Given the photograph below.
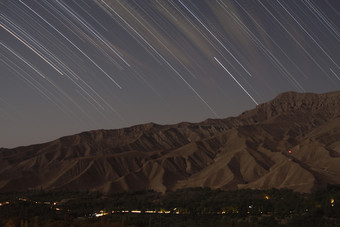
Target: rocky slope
x=291 y=142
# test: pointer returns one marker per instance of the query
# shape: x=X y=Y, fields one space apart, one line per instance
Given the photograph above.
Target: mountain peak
x=326 y=105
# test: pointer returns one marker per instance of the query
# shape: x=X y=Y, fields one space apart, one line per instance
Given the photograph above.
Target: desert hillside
x=291 y=142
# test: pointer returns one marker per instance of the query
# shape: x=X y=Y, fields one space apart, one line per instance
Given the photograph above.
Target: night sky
x=68 y=66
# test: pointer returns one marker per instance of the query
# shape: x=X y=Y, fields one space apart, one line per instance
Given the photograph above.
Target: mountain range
x=292 y=141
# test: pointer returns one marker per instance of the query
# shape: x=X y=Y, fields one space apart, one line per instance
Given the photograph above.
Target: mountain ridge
x=247 y=151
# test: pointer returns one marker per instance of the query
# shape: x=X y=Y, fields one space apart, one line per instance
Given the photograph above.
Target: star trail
x=68 y=66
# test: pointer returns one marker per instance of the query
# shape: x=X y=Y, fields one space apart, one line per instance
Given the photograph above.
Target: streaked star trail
x=235 y=80
x=68 y=66
x=42 y=57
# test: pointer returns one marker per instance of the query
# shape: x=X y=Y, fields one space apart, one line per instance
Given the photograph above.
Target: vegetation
x=184 y=207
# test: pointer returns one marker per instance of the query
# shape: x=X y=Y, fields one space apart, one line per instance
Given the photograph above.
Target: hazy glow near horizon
x=71 y=66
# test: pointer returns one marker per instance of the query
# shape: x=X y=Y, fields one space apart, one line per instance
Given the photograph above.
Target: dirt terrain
x=291 y=142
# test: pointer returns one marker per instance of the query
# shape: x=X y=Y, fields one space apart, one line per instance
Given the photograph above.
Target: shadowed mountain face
x=291 y=142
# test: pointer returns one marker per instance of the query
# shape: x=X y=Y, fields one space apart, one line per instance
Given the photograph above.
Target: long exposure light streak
x=178 y=74
x=309 y=35
x=72 y=44
x=215 y=38
x=235 y=80
x=71 y=66
x=22 y=41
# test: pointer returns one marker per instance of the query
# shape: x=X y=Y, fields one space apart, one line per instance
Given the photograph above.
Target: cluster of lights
x=5 y=203
x=147 y=211
x=102 y=213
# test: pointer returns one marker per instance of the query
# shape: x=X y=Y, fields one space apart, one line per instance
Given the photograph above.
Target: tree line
x=187 y=207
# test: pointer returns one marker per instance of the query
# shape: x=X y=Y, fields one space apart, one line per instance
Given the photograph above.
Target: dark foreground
x=186 y=207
